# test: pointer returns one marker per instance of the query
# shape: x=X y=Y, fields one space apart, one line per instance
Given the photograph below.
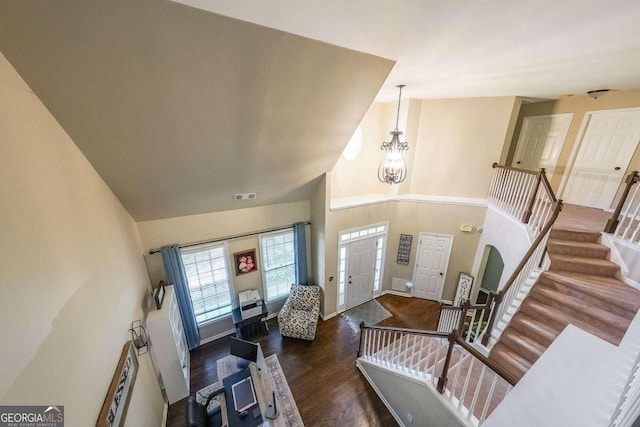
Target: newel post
x=497 y=299
x=613 y=222
x=361 y=335
x=442 y=381
x=527 y=214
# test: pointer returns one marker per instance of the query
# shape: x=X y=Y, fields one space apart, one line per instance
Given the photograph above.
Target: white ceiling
x=466 y=48
x=179 y=108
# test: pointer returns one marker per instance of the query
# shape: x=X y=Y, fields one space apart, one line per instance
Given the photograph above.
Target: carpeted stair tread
x=575 y=235
x=561 y=319
x=576 y=307
x=602 y=267
x=524 y=345
x=509 y=360
x=607 y=292
x=576 y=248
x=540 y=331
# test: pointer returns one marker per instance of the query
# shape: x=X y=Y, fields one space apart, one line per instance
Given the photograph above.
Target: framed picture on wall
x=245 y=261
x=114 y=408
x=465 y=281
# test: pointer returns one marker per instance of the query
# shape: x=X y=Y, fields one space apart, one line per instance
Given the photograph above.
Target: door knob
x=617 y=168
x=518 y=163
x=441 y=273
x=349 y=281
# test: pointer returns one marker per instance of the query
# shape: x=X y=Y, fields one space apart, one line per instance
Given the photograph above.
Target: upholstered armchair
x=298 y=317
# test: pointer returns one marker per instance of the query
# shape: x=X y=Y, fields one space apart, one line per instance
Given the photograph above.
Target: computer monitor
x=246 y=351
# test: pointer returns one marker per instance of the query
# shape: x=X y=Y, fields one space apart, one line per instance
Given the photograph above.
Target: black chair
x=196 y=414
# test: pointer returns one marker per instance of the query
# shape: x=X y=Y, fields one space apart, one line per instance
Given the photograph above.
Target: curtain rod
x=237 y=236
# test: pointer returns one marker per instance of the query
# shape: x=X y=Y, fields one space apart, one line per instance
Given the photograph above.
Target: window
x=278 y=263
x=209 y=281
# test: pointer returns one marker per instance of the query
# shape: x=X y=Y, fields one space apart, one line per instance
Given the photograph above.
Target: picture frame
x=158 y=294
x=116 y=403
x=245 y=261
x=465 y=282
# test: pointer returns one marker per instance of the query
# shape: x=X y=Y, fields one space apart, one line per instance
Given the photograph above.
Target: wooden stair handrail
x=613 y=222
x=498 y=297
x=399 y=330
x=508 y=377
x=499 y=166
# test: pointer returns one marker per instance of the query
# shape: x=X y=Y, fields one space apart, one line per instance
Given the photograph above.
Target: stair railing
x=477 y=384
x=398 y=348
x=532 y=259
x=464 y=377
x=471 y=320
x=522 y=194
x=627 y=226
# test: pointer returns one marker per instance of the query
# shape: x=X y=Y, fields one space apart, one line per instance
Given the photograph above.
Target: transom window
x=210 y=286
x=278 y=263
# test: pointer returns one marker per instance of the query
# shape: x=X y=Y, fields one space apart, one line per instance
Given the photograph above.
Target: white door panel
x=431 y=265
x=603 y=157
x=362 y=262
x=540 y=142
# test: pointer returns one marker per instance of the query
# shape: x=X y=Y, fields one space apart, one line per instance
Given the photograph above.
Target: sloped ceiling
x=178 y=108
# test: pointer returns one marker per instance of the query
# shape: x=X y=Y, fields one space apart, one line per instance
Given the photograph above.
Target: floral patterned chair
x=298 y=317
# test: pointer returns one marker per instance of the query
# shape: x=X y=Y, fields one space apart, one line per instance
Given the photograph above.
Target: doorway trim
x=345 y=238
x=580 y=138
x=415 y=266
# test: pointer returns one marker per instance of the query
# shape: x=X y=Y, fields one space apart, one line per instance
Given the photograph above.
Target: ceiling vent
x=244 y=196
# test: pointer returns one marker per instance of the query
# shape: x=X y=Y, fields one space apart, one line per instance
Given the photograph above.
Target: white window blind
x=278 y=263
x=209 y=281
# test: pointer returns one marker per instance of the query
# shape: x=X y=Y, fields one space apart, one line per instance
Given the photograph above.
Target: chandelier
x=393 y=168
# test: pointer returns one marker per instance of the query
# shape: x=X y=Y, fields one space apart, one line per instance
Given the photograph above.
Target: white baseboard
x=398 y=293
x=216 y=337
x=328 y=316
x=446 y=301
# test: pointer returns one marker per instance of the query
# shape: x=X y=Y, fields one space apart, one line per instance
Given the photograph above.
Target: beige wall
x=73 y=277
x=578 y=105
x=414 y=218
x=458 y=141
x=215 y=225
x=358 y=176
x=318 y=206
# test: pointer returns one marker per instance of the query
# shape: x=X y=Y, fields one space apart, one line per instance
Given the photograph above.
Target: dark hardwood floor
x=328 y=388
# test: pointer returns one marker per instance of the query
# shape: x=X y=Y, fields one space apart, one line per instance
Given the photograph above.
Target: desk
x=262 y=383
x=251 y=326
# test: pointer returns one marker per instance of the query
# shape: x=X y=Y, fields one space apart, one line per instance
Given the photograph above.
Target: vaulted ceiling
x=178 y=108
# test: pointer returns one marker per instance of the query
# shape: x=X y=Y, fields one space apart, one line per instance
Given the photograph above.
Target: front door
x=362 y=264
x=432 y=262
x=603 y=157
x=541 y=141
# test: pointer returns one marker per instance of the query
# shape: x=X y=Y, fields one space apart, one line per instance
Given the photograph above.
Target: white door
x=540 y=142
x=432 y=261
x=603 y=157
x=362 y=264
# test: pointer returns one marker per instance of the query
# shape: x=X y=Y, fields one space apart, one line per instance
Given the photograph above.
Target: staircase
x=580 y=288
x=471 y=387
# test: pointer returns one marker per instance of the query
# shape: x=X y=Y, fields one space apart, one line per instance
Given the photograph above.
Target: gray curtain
x=176 y=275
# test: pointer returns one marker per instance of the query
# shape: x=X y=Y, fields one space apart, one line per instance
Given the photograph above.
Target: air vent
x=244 y=196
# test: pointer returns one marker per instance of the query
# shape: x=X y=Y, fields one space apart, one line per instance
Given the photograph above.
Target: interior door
x=362 y=264
x=540 y=142
x=432 y=262
x=603 y=157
